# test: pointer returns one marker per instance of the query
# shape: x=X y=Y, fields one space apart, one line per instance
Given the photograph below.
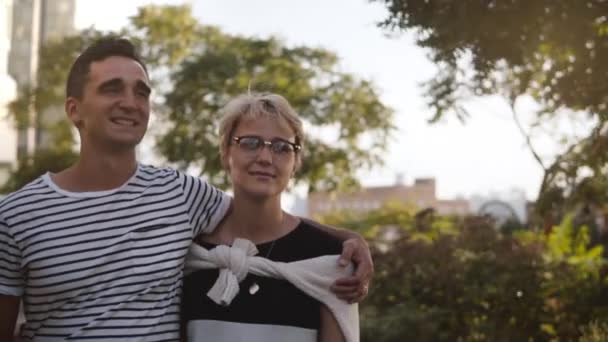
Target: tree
x=226 y=66
x=209 y=67
x=461 y=279
x=552 y=50
x=196 y=69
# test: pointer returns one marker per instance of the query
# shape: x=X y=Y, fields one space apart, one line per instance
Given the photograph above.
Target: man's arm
x=207 y=206
x=9 y=310
x=355 y=249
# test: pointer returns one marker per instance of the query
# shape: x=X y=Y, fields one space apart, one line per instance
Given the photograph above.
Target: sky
x=485 y=155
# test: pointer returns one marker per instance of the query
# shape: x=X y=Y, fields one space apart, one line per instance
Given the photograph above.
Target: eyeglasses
x=252 y=143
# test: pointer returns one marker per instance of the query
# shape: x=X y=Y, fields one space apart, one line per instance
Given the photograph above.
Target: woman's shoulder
x=315 y=225
x=314 y=234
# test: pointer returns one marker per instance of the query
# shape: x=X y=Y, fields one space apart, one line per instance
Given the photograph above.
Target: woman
x=261 y=142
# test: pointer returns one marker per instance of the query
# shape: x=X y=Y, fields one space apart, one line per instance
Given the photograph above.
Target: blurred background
x=465 y=139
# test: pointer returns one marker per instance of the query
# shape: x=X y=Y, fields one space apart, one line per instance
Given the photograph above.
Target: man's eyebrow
x=111 y=83
x=143 y=86
x=114 y=82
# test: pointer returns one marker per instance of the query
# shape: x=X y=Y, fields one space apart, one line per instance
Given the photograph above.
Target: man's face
x=115 y=107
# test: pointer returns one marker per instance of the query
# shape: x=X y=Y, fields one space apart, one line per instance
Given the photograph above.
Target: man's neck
x=97 y=172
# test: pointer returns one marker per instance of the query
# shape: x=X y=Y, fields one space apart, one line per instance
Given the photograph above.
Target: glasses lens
x=281 y=147
x=250 y=143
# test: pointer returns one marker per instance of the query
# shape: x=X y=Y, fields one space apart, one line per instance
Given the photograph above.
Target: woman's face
x=262 y=159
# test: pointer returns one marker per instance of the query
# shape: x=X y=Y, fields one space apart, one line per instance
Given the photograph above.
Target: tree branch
x=525 y=134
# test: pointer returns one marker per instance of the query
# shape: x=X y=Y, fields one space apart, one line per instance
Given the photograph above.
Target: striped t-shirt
x=104 y=265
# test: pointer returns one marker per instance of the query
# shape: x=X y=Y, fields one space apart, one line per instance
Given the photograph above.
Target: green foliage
x=393 y=218
x=393 y=214
x=473 y=286
x=166 y=34
x=468 y=282
x=575 y=278
x=553 y=51
x=223 y=66
x=32 y=167
x=595 y=332
x=571 y=244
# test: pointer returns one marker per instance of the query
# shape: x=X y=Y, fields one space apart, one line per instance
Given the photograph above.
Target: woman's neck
x=256 y=220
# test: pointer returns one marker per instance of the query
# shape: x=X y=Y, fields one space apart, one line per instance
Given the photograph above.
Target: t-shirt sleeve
x=205 y=204
x=330 y=244
x=11 y=277
x=319 y=241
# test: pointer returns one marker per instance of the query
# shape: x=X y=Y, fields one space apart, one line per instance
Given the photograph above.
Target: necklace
x=254 y=288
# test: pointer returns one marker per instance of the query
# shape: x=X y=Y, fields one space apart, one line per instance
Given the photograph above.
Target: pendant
x=254 y=288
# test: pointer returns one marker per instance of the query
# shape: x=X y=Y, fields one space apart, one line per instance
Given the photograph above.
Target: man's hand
x=355 y=288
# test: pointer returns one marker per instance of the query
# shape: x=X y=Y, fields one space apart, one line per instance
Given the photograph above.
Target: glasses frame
x=266 y=143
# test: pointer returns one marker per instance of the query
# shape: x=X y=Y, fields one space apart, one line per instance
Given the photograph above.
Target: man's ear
x=72 y=109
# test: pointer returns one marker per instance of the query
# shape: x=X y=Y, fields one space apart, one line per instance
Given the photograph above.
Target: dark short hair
x=98 y=51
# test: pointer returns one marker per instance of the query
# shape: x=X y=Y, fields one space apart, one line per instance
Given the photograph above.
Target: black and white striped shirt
x=104 y=265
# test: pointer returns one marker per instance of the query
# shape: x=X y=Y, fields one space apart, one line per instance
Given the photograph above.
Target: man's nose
x=129 y=101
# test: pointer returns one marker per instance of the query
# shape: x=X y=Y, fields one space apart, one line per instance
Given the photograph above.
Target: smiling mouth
x=262 y=174
x=124 y=122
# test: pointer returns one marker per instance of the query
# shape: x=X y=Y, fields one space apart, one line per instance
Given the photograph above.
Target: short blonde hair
x=256 y=105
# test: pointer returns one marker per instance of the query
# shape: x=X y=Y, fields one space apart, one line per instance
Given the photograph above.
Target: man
x=96 y=251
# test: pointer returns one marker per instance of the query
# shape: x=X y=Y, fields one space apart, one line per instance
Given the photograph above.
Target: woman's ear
x=297 y=165
x=225 y=161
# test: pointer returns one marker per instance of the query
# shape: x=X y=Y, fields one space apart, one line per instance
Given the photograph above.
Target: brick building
x=421 y=194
